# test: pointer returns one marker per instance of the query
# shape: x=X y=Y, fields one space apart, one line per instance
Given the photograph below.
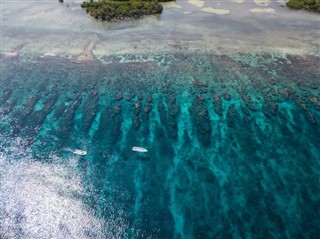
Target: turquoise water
x=233 y=140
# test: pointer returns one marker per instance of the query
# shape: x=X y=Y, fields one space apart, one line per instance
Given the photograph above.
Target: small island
x=110 y=10
x=310 y=5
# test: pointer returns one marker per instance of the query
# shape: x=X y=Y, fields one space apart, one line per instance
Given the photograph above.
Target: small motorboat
x=139 y=149
x=80 y=152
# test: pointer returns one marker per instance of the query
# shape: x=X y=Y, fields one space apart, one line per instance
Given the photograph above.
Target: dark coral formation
x=227 y=96
x=89 y=110
x=38 y=117
x=217 y=104
x=203 y=76
x=110 y=125
x=66 y=123
x=201 y=120
x=173 y=113
x=21 y=116
x=5 y=96
x=136 y=121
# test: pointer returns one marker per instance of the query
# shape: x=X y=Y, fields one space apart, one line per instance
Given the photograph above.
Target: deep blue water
x=234 y=147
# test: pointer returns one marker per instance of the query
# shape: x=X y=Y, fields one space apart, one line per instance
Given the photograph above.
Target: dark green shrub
x=311 y=5
x=111 y=9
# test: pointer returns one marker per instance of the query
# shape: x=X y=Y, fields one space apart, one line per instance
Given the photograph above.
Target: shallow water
x=231 y=127
x=64 y=29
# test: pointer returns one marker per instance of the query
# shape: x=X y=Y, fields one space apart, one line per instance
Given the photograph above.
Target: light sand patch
x=171 y=5
x=262 y=2
x=196 y=3
x=216 y=10
x=262 y=10
x=87 y=53
x=238 y=1
x=11 y=54
x=48 y=55
x=281 y=2
x=15 y=52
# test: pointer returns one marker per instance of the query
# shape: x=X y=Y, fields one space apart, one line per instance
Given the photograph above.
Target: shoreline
x=88 y=55
x=95 y=46
x=158 y=60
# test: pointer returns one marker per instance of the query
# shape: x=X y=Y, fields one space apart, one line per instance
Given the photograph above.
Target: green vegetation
x=310 y=5
x=121 y=9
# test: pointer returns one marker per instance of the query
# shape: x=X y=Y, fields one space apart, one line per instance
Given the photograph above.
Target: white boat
x=139 y=149
x=80 y=152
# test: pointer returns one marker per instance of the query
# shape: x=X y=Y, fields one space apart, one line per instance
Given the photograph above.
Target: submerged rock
x=110 y=126
x=60 y=110
x=248 y=101
x=315 y=101
x=146 y=111
x=89 y=110
x=118 y=96
x=174 y=110
x=245 y=111
x=8 y=106
x=201 y=97
x=162 y=112
x=36 y=118
x=21 y=116
x=270 y=107
x=199 y=84
x=201 y=120
x=136 y=122
x=117 y=109
x=284 y=93
x=227 y=96
x=309 y=114
x=232 y=116
x=203 y=90
x=32 y=100
x=130 y=96
x=149 y=98
x=217 y=104
x=137 y=107
x=5 y=96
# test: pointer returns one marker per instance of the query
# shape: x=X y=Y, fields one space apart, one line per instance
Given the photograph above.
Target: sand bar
x=262 y=2
x=216 y=10
x=196 y=3
x=262 y=10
